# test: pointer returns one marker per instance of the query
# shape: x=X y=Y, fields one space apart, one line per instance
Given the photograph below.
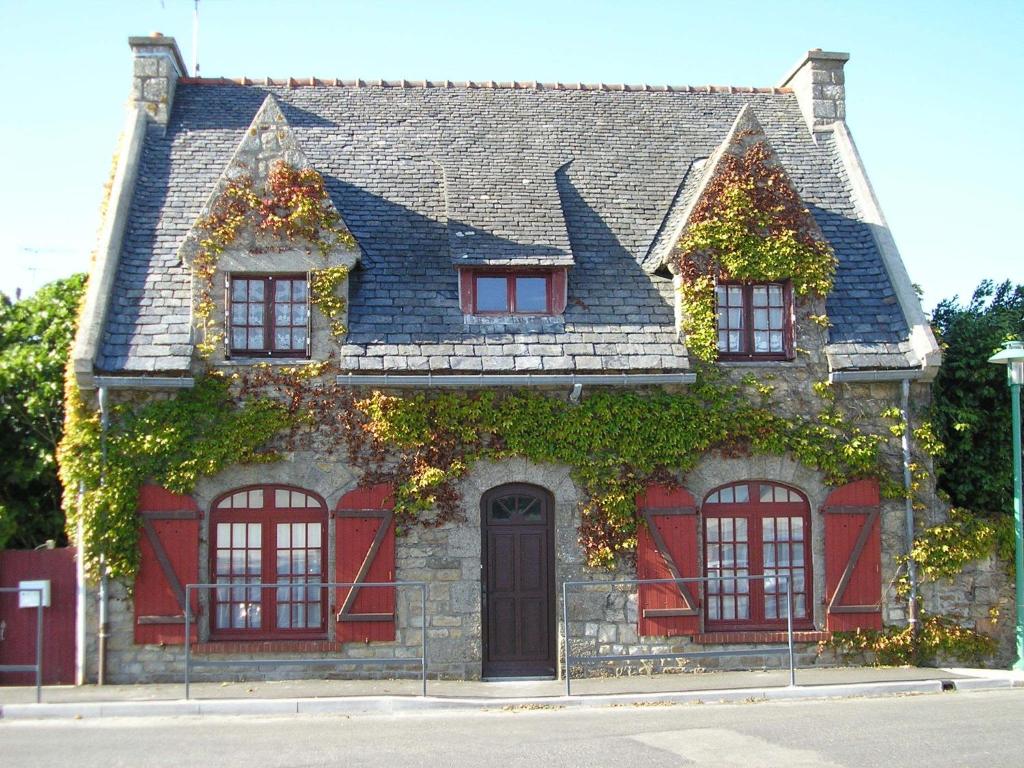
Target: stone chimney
x=819 y=84
x=157 y=66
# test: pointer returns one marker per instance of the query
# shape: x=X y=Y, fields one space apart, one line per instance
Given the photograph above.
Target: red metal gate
x=18 y=638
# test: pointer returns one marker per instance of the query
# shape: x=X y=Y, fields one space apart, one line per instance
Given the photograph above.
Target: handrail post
x=39 y=646
x=423 y=636
x=188 y=636
x=565 y=637
x=789 y=631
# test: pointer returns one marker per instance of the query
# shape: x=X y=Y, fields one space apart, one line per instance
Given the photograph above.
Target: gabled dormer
x=746 y=253
x=269 y=254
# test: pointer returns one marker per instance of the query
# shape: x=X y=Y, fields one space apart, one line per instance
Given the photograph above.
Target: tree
x=971 y=405
x=35 y=337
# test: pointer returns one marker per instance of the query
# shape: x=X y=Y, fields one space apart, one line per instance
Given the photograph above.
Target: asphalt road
x=953 y=729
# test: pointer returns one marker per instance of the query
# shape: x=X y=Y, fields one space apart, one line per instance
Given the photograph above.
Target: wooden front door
x=518 y=582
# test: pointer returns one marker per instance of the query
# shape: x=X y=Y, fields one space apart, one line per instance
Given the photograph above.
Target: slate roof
x=408 y=168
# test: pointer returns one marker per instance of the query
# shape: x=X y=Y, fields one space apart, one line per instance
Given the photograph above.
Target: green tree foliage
x=971 y=410
x=35 y=335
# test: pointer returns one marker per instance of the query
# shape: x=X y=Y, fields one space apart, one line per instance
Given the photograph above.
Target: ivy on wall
x=749 y=225
x=614 y=441
x=293 y=204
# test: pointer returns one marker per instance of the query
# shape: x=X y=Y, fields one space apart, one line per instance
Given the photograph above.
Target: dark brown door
x=518 y=582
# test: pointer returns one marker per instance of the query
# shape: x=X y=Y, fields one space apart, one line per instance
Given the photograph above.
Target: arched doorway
x=518 y=582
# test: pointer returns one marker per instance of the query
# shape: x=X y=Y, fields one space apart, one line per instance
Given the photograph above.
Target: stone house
x=494 y=237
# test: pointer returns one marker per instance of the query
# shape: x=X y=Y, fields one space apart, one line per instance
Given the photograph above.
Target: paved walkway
x=360 y=696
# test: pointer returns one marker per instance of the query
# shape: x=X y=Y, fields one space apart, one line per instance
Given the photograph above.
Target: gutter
x=430 y=381
x=899 y=374
x=145 y=382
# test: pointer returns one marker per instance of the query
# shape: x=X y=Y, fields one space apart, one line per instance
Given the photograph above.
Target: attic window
x=754 y=321
x=511 y=293
x=268 y=315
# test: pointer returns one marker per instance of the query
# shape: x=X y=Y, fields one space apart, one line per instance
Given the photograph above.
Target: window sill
x=268 y=646
x=760 y=637
x=238 y=362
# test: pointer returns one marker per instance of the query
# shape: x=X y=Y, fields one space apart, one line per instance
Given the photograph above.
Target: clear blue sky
x=934 y=94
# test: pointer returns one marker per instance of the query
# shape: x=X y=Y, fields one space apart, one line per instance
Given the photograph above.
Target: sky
x=934 y=94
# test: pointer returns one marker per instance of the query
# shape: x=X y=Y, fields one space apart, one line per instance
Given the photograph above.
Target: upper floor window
x=512 y=293
x=754 y=320
x=268 y=315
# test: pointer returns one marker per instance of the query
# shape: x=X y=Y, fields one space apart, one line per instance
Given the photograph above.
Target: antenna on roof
x=195 y=39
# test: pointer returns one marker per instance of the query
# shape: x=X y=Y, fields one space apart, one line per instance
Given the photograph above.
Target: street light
x=1012 y=357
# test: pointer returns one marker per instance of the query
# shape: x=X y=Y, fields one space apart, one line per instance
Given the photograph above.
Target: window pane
x=760 y=319
x=775 y=341
x=742 y=497
x=775 y=295
x=492 y=294
x=761 y=343
x=760 y=296
x=238 y=314
x=283 y=290
x=531 y=294
x=238 y=288
x=255 y=314
x=735 y=318
x=774 y=319
x=283 y=314
x=735 y=296
x=298 y=313
x=735 y=341
x=255 y=290
x=299 y=338
x=282 y=339
x=299 y=291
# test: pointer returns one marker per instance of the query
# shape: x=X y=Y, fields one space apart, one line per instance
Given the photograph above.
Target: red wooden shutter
x=365 y=535
x=169 y=549
x=667 y=548
x=466 y=291
x=853 y=557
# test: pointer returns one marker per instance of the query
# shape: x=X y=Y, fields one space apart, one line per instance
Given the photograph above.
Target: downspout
x=104 y=621
x=909 y=507
x=81 y=602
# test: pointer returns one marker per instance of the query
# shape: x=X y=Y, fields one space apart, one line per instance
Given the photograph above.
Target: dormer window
x=268 y=315
x=512 y=293
x=754 y=321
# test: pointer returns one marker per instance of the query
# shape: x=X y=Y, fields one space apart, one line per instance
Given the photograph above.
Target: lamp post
x=1012 y=357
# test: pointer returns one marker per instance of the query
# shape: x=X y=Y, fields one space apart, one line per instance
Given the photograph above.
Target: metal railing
x=191 y=661
x=38 y=666
x=570 y=659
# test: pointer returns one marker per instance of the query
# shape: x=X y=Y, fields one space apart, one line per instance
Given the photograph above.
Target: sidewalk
x=393 y=696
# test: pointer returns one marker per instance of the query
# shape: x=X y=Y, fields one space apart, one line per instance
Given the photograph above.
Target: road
x=953 y=729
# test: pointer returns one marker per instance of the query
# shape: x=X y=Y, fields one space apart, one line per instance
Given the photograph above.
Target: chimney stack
x=819 y=84
x=157 y=65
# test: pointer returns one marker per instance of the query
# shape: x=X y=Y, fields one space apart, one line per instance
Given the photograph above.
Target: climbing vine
x=615 y=442
x=323 y=293
x=937 y=636
x=750 y=226
x=292 y=204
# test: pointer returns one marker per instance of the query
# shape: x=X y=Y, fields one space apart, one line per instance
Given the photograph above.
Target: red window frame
x=510 y=291
x=746 y=328
x=755 y=512
x=268 y=514
x=269 y=327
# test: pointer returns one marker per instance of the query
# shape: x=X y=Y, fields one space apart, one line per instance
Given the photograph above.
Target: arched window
x=753 y=528
x=272 y=534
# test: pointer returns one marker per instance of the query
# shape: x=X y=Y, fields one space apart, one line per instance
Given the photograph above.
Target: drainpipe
x=104 y=621
x=80 y=591
x=909 y=506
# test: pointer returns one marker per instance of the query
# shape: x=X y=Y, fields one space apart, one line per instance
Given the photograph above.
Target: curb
x=397 y=705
